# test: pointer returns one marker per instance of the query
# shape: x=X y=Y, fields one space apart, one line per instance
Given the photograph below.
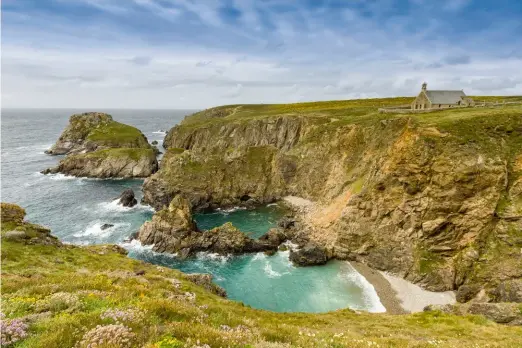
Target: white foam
x=270 y=272
x=60 y=176
x=203 y=255
x=135 y=245
x=96 y=230
x=259 y=256
x=372 y=302
x=230 y=210
x=160 y=132
x=271 y=204
x=113 y=206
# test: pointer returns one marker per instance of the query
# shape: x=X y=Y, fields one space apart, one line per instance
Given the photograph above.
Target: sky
x=194 y=54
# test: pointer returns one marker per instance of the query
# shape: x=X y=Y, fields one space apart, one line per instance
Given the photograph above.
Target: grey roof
x=445 y=97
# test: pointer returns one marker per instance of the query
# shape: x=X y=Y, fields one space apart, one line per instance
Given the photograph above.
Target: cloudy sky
x=201 y=53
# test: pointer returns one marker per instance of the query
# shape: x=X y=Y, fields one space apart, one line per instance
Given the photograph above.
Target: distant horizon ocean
x=76 y=208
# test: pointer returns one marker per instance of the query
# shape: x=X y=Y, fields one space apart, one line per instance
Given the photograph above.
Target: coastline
x=399 y=296
x=387 y=294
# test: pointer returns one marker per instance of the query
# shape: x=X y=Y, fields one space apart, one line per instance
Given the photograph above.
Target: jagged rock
x=173 y=230
x=467 y=292
x=127 y=198
x=286 y=222
x=156 y=150
x=274 y=237
x=309 y=255
x=106 y=226
x=508 y=291
x=205 y=280
x=75 y=137
x=155 y=142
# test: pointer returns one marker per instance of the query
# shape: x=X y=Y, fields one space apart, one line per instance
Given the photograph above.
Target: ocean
x=76 y=208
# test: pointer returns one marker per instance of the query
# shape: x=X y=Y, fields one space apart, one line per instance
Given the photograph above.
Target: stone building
x=440 y=99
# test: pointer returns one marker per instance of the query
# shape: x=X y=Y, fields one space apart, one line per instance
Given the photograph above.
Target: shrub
x=108 y=336
x=13 y=330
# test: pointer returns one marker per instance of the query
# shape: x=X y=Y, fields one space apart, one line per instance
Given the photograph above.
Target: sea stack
x=97 y=146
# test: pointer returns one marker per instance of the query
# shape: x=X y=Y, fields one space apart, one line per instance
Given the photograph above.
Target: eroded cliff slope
x=433 y=197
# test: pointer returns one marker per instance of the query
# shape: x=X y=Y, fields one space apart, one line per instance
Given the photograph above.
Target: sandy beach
x=399 y=296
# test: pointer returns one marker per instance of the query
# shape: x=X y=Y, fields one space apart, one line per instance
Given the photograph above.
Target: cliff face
x=98 y=146
x=435 y=197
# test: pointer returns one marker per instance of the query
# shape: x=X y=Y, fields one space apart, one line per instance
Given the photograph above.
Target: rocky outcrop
x=173 y=230
x=127 y=198
x=205 y=280
x=309 y=255
x=502 y=313
x=435 y=201
x=11 y=213
x=15 y=229
x=97 y=146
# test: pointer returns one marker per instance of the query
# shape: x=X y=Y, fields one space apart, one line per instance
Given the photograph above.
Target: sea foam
x=372 y=302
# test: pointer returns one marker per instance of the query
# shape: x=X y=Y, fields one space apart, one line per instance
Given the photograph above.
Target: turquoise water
x=75 y=209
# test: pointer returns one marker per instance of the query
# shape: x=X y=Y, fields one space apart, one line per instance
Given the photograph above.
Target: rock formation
x=14 y=228
x=435 y=199
x=97 y=146
x=173 y=230
x=127 y=198
x=205 y=280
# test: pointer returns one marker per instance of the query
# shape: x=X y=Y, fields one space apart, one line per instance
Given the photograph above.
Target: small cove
x=76 y=208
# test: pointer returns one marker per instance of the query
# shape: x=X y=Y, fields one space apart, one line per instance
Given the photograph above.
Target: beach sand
x=399 y=296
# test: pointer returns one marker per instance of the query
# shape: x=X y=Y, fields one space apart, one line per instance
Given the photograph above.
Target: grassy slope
x=114 y=134
x=100 y=279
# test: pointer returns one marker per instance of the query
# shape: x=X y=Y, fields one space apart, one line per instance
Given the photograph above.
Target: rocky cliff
x=97 y=146
x=435 y=198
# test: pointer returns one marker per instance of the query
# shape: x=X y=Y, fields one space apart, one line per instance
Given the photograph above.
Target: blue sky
x=197 y=54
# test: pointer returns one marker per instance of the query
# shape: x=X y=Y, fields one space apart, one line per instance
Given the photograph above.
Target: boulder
x=15 y=235
x=508 y=291
x=155 y=142
x=106 y=226
x=467 y=292
x=309 y=255
x=286 y=222
x=502 y=313
x=127 y=199
x=205 y=280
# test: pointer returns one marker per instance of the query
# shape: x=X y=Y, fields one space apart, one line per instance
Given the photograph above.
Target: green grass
x=133 y=153
x=117 y=134
x=98 y=278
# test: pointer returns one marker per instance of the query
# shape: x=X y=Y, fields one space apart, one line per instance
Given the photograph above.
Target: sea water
x=76 y=208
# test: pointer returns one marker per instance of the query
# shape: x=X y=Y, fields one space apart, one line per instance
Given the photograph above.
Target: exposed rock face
x=205 y=280
x=12 y=213
x=109 y=163
x=99 y=147
x=502 y=313
x=24 y=232
x=309 y=255
x=429 y=200
x=106 y=226
x=173 y=230
x=127 y=198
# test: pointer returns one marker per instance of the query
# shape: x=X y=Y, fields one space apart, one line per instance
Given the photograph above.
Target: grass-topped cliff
x=98 y=146
x=433 y=197
x=56 y=295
